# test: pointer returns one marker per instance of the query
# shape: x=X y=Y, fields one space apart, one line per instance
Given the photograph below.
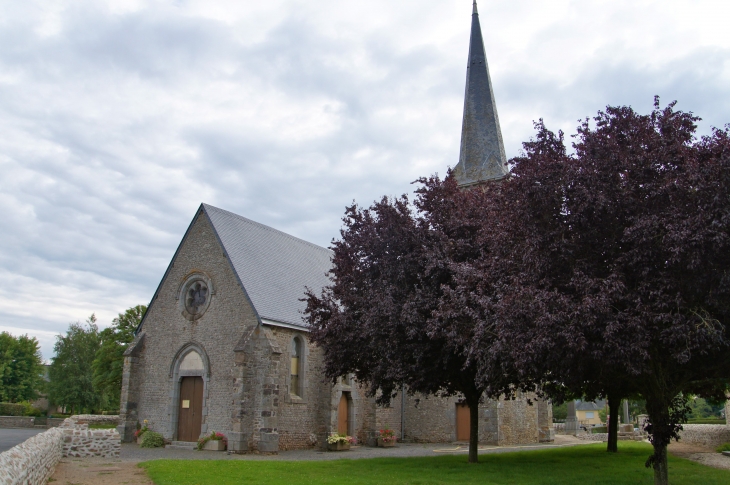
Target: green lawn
x=582 y=465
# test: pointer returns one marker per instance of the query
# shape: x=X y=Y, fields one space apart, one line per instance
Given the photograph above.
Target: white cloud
x=118 y=118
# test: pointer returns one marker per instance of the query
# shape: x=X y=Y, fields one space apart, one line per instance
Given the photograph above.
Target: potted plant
x=213 y=442
x=386 y=438
x=339 y=442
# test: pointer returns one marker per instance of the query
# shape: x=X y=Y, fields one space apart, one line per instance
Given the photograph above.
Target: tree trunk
x=661 y=472
x=473 y=429
x=614 y=403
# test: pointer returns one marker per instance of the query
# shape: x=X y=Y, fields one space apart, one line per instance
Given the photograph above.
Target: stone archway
x=190 y=374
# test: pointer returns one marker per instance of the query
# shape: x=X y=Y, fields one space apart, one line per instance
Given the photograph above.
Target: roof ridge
x=264 y=226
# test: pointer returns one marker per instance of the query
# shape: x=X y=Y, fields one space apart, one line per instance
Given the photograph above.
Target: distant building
x=587 y=413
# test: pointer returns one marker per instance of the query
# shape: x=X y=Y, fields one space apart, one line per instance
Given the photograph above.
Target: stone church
x=223 y=346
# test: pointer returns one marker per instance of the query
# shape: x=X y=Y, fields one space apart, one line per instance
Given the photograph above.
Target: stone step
x=182 y=445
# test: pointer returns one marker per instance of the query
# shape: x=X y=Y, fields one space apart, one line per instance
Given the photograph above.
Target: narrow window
x=296 y=364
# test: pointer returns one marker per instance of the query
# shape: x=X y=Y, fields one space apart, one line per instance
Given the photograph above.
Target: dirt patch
x=700 y=454
x=98 y=471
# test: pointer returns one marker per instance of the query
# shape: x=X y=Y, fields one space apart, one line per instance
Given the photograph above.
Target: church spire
x=482 y=156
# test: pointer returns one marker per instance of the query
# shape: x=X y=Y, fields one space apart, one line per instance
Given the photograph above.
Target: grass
x=581 y=465
x=102 y=426
x=706 y=421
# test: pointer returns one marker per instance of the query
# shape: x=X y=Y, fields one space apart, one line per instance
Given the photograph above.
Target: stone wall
x=151 y=388
x=33 y=461
x=28 y=422
x=501 y=422
x=16 y=422
x=708 y=435
x=390 y=416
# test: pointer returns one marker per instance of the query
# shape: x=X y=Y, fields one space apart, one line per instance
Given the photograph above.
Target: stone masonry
x=33 y=461
x=244 y=363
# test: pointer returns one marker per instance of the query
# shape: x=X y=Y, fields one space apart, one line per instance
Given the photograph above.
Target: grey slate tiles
x=273 y=266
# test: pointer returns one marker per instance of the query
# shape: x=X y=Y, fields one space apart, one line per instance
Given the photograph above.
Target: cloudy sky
x=118 y=118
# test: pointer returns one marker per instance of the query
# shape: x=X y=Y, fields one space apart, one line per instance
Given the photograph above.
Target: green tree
x=109 y=360
x=71 y=374
x=21 y=368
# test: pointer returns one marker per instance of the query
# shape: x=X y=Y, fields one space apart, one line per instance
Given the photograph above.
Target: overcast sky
x=118 y=118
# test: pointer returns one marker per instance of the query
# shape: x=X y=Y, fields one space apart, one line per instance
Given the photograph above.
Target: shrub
x=599 y=429
x=152 y=440
x=725 y=447
x=30 y=410
x=11 y=409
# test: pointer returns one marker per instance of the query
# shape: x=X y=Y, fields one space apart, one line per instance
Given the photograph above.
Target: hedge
x=11 y=409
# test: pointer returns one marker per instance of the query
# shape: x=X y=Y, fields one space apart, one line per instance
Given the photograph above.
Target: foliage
x=152 y=440
x=214 y=436
x=403 y=307
x=560 y=411
x=11 y=409
x=577 y=465
x=599 y=429
x=335 y=438
x=387 y=435
x=700 y=408
x=21 y=368
x=108 y=364
x=70 y=373
x=723 y=447
x=628 y=236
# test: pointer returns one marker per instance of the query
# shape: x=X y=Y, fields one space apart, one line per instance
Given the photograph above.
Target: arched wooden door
x=463 y=421
x=190 y=409
x=343 y=417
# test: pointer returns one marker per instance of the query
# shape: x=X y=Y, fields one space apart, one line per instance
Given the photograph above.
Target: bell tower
x=482 y=156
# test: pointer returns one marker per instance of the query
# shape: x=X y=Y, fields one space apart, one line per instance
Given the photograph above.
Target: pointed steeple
x=482 y=156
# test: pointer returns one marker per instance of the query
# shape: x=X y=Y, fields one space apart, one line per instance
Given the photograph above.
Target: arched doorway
x=190 y=372
x=343 y=415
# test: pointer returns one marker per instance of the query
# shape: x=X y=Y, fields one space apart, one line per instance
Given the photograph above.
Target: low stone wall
x=28 y=422
x=592 y=436
x=79 y=441
x=16 y=422
x=33 y=461
x=94 y=419
x=708 y=435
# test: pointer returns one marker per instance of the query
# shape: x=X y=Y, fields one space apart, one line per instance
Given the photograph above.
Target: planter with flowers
x=386 y=438
x=213 y=442
x=339 y=442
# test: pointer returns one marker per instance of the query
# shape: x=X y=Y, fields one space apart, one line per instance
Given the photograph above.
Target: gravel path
x=132 y=452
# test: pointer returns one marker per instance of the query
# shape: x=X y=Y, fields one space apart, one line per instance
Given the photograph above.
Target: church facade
x=223 y=346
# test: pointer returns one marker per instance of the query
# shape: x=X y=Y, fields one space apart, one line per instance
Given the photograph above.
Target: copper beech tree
x=393 y=315
x=619 y=256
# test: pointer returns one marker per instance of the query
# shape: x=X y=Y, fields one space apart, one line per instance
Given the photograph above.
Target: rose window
x=196 y=297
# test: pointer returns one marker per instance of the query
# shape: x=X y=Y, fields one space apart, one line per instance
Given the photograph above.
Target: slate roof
x=272 y=266
x=482 y=155
x=589 y=406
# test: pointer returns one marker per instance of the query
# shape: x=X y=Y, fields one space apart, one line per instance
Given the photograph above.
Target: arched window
x=296 y=367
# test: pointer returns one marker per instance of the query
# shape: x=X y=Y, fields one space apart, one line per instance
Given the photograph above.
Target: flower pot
x=215 y=445
x=386 y=444
x=339 y=446
x=139 y=439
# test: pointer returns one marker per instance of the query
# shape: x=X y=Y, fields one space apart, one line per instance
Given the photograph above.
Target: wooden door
x=342 y=416
x=190 y=409
x=463 y=422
